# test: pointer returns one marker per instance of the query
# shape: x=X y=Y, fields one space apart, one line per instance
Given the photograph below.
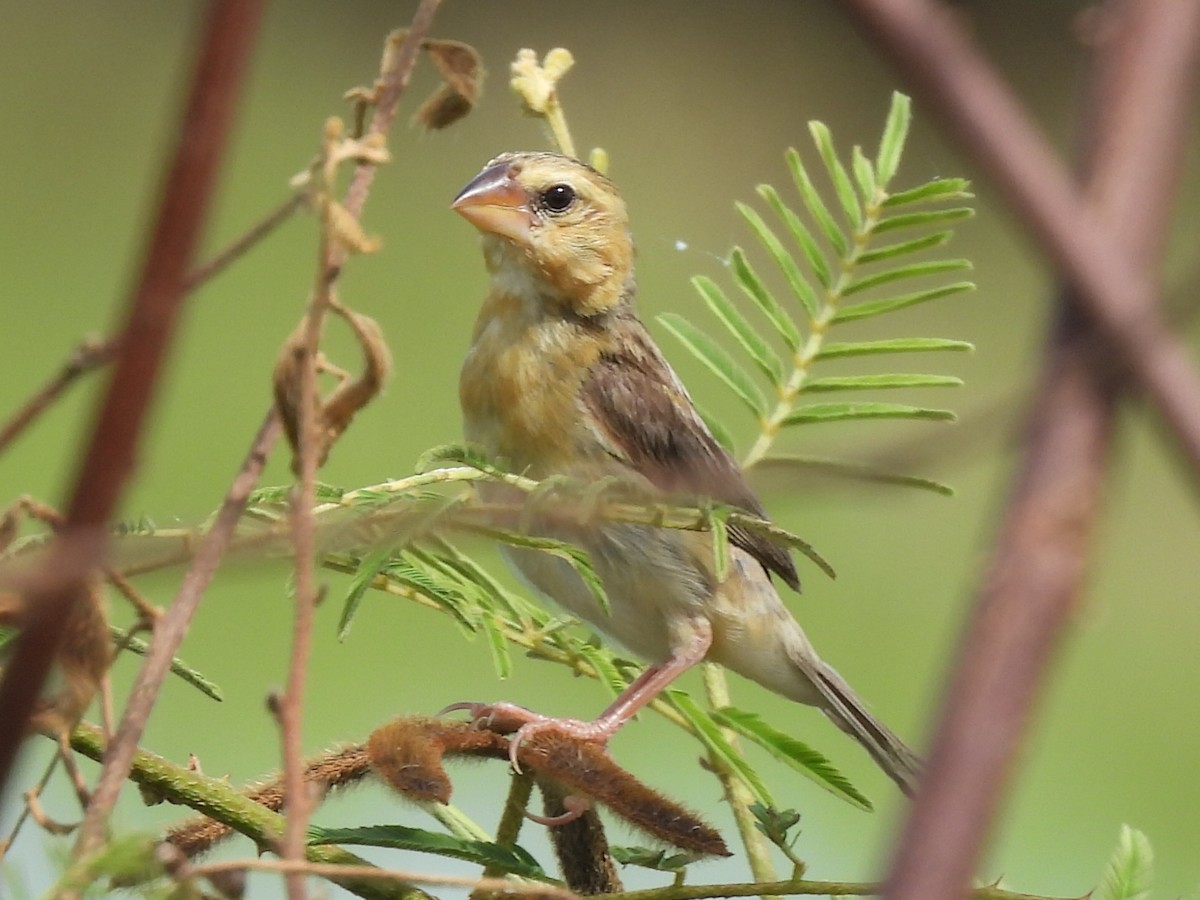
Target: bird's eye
x=557 y=197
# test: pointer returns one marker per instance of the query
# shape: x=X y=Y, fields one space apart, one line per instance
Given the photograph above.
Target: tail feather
x=847 y=711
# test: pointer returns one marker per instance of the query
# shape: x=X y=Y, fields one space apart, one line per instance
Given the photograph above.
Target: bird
x=563 y=380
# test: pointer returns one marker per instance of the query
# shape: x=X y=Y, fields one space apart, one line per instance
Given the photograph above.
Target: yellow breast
x=520 y=384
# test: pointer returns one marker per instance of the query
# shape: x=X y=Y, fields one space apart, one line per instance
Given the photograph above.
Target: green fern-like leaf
x=794 y=753
x=1130 y=870
x=708 y=731
x=838 y=272
x=510 y=858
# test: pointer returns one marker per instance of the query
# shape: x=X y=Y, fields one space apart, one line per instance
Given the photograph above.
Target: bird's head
x=556 y=222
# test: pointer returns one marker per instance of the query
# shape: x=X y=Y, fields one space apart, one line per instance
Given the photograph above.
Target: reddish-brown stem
x=89 y=355
x=170 y=629
x=331 y=256
x=235 y=251
x=392 y=84
x=153 y=308
x=925 y=39
x=1141 y=98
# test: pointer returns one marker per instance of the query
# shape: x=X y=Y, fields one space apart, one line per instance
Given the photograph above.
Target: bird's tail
x=847 y=711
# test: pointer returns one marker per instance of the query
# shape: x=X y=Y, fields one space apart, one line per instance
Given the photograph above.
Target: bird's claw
x=573 y=805
x=522 y=724
x=503 y=718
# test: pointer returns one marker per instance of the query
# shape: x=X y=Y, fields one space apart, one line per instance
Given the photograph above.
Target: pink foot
x=522 y=723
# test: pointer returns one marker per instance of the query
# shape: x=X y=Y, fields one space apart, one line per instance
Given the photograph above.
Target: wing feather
x=647 y=420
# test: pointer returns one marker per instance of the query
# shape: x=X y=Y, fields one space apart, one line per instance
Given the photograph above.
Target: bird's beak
x=496 y=202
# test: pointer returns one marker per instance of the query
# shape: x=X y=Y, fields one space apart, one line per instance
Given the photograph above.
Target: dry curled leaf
x=333 y=414
x=84 y=654
x=462 y=73
x=461 y=68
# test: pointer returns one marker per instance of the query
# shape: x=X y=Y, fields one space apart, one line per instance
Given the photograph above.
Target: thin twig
x=217 y=798
x=89 y=355
x=331 y=257
x=800 y=887
x=1142 y=97
x=153 y=310
x=170 y=629
x=92 y=353
x=504 y=886
x=387 y=102
x=242 y=245
x=23 y=815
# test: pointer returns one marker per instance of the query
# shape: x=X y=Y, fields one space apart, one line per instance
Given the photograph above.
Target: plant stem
x=758 y=848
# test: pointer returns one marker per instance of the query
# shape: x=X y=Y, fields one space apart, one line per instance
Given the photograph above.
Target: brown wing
x=646 y=418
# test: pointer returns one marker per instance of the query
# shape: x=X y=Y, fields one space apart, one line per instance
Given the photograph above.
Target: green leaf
x=512 y=859
x=755 y=346
x=459 y=453
x=753 y=287
x=937 y=189
x=709 y=733
x=793 y=753
x=803 y=238
x=921 y=219
x=447 y=596
x=373 y=564
x=895 y=132
x=498 y=644
x=856 y=470
x=136 y=645
x=777 y=535
x=1130 y=870
x=659 y=860
x=369 y=568
x=719 y=530
x=837 y=412
x=816 y=206
x=892 y=345
x=902 y=248
x=864 y=174
x=874 y=382
x=879 y=307
x=475 y=575
x=801 y=288
x=602 y=661
x=837 y=173
x=912 y=270
x=716 y=360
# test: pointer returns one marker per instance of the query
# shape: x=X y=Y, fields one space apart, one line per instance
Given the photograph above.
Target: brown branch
x=94 y=353
x=169 y=632
x=926 y=41
x=1141 y=97
x=89 y=355
x=153 y=310
x=392 y=85
x=242 y=245
x=394 y=79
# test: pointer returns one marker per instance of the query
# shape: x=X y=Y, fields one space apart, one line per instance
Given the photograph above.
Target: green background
x=695 y=103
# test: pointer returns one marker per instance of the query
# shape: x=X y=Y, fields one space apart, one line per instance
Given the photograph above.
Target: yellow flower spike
x=557 y=63
x=598 y=160
x=536 y=84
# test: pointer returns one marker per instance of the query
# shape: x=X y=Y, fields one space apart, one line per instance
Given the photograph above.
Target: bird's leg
x=508 y=717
